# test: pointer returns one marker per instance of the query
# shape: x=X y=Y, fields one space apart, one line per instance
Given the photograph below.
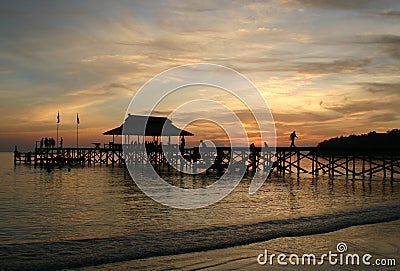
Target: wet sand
x=380 y=240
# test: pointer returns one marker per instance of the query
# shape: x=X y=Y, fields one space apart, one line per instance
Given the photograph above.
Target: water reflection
x=101 y=202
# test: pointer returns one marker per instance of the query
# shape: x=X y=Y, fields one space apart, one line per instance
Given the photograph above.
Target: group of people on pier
x=50 y=142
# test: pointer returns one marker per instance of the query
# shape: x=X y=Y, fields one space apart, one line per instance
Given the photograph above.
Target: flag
x=58 y=117
x=77 y=118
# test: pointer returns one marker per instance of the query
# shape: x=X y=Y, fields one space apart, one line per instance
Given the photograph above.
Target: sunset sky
x=326 y=68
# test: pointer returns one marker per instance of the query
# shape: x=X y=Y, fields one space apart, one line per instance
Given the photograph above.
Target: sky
x=325 y=68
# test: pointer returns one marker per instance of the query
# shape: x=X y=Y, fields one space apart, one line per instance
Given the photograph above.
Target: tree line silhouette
x=371 y=141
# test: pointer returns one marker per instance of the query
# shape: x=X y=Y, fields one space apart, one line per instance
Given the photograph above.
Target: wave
x=90 y=252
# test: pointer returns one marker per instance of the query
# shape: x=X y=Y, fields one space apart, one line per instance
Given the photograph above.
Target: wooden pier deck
x=283 y=161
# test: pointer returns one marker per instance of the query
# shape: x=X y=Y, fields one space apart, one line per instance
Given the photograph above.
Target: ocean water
x=96 y=215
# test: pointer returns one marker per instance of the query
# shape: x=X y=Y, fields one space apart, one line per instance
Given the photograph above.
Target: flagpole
x=58 y=122
x=57 y=135
x=77 y=130
x=77 y=141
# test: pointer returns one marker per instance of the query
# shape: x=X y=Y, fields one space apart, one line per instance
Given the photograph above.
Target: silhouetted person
x=202 y=147
x=61 y=142
x=41 y=142
x=292 y=138
x=46 y=142
x=183 y=143
x=253 y=150
x=265 y=145
x=252 y=157
x=16 y=152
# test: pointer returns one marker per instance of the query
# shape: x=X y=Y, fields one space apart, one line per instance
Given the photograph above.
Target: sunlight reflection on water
x=101 y=202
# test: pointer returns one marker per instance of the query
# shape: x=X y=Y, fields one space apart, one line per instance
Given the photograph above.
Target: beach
x=381 y=240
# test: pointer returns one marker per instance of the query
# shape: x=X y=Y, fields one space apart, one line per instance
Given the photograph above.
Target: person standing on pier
x=292 y=138
x=183 y=143
x=16 y=152
x=61 y=142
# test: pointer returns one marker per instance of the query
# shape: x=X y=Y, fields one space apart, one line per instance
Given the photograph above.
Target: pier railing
x=284 y=160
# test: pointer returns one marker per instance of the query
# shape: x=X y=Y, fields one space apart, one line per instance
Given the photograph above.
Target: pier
x=377 y=158
x=314 y=161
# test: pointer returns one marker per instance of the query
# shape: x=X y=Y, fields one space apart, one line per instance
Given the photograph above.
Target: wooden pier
x=350 y=163
x=109 y=155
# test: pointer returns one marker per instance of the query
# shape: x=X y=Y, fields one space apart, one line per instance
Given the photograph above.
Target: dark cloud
x=303 y=117
x=383 y=117
x=385 y=39
x=390 y=43
x=339 y=66
x=358 y=107
x=340 y=4
x=336 y=66
x=382 y=88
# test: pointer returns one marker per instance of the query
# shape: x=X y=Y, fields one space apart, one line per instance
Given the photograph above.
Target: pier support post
x=370 y=166
x=284 y=163
x=298 y=164
x=391 y=168
x=363 y=166
x=384 y=167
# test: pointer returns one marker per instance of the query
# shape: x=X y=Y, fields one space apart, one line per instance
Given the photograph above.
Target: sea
x=88 y=216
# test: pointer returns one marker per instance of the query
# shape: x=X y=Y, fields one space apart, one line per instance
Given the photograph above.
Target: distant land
x=371 y=141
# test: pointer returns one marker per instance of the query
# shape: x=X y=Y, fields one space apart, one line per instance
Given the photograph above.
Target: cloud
x=337 y=4
x=353 y=108
x=334 y=67
x=390 y=12
x=385 y=39
x=108 y=90
x=389 y=42
x=303 y=117
x=90 y=57
x=382 y=88
x=339 y=66
x=383 y=117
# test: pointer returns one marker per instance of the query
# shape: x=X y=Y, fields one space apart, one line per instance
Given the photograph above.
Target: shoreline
x=144 y=247
x=381 y=240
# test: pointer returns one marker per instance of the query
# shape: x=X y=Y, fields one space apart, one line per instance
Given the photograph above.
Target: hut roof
x=155 y=126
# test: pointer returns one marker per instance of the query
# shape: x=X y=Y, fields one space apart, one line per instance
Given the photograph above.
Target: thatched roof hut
x=155 y=126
